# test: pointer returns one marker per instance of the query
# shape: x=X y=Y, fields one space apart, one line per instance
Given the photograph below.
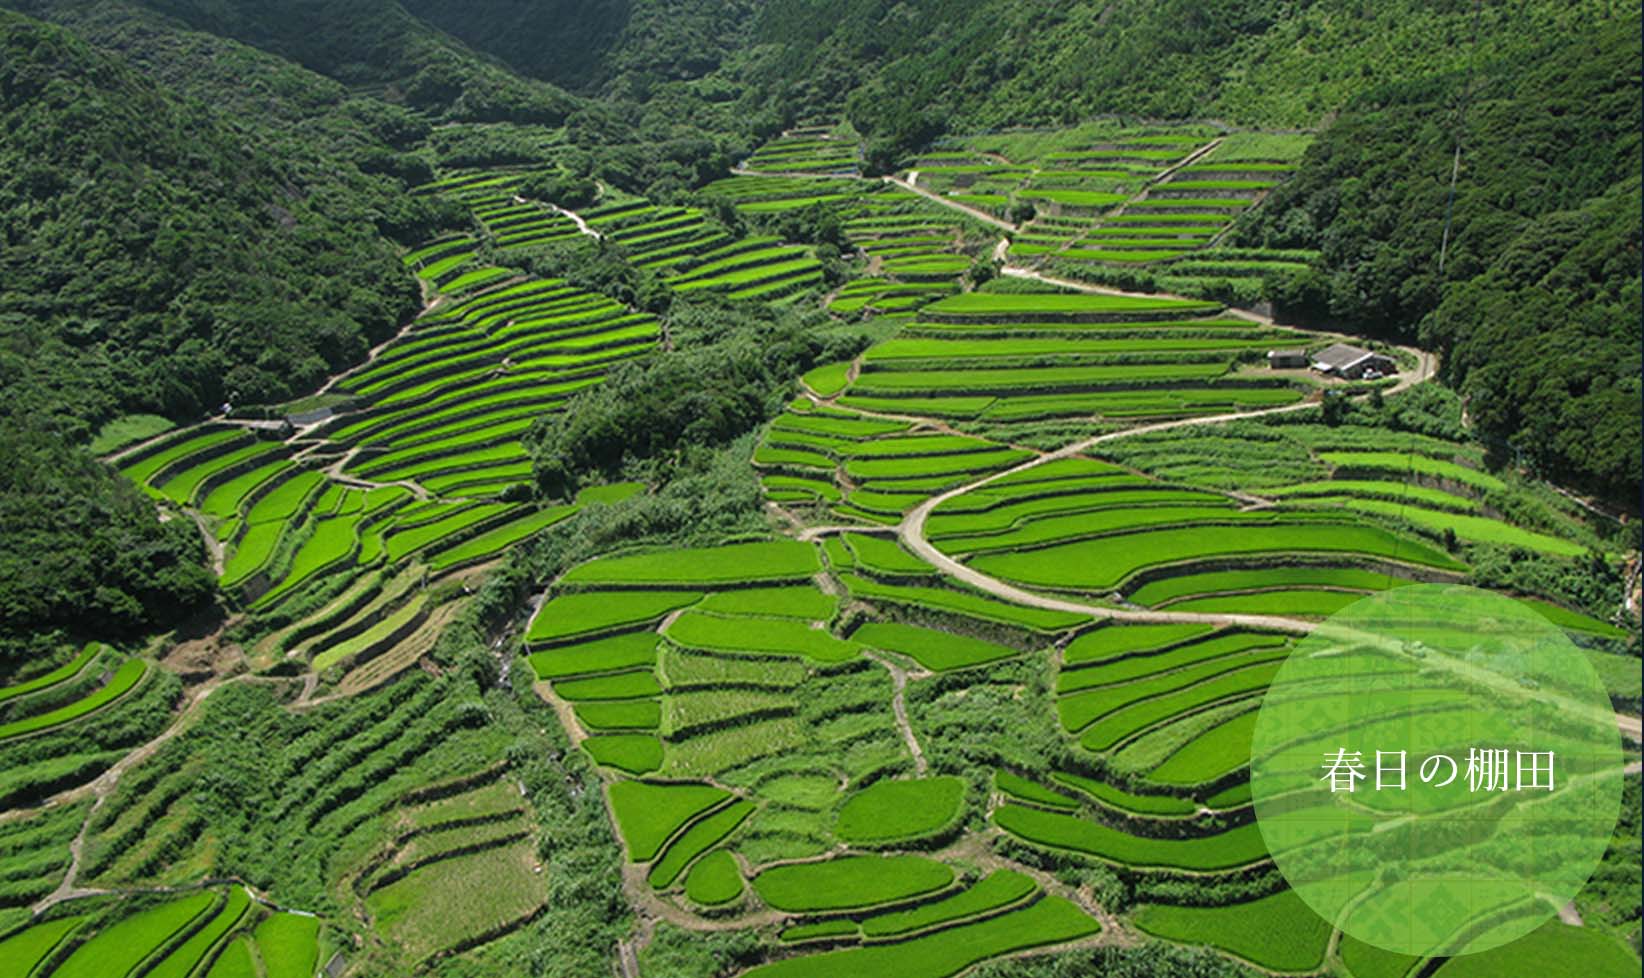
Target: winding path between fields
x=912 y=533
x=911 y=185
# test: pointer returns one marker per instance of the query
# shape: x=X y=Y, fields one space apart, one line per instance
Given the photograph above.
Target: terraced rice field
x=420 y=464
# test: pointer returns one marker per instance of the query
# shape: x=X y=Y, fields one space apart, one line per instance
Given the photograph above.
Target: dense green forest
x=202 y=202
x=1536 y=313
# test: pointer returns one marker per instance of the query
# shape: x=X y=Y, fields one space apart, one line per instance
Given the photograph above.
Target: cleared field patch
x=888 y=812
x=447 y=903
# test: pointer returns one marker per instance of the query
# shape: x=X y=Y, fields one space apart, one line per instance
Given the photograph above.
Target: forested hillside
x=1536 y=312
x=812 y=488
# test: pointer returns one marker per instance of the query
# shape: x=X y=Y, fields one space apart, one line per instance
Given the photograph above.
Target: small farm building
x=1285 y=359
x=1352 y=362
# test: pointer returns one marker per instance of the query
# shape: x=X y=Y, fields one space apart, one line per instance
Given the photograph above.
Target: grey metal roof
x=1341 y=356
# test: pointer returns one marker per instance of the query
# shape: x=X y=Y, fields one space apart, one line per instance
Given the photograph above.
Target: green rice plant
x=714 y=880
x=185 y=485
x=993 y=305
x=582 y=613
x=1112 y=639
x=891 y=811
x=1122 y=724
x=935 y=650
x=638 y=684
x=1564 y=618
x=806 y=602
x=770 y=635
x=120 y=947
x=1165 y=590
x=237 y=960
x=648 y=814
x=1062 y=527
x=995 y=891
x=850 y=882
x=947 y=952
x=181 y=962
x=701 y=836
x=128 y=429
x=1296 y=603
x=1010 y=380
x=1105 y=563
x=497 y=539
x=126 y=677
x=224 y=501
x=838 y=424
x=61 y=674
x=332 y=541
x=1278 y=932
x=968 y=603
x=883 y=557
x=690 y=712
x=144 y=469
x=1125 y=800
x=285 y=500
x=636 y=754
x=1368 y=961
x=842 y=927
x=374 y=638
x=604 y=715
x=613 y=654
x=26 y=948
x=686 y=669
x=935 y=407
x=1236 y=847
x=1552 y=950
x=1400 y=462
x=1160 y=669
x=402 y=543
x=771 y=560
x=1021 y=789
x=1219 y=750
x=1473 y=529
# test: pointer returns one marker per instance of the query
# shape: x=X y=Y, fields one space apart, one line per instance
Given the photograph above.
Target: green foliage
x=731 y=368
x=1536 y=314
x=223 y=268
x=80 y=548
